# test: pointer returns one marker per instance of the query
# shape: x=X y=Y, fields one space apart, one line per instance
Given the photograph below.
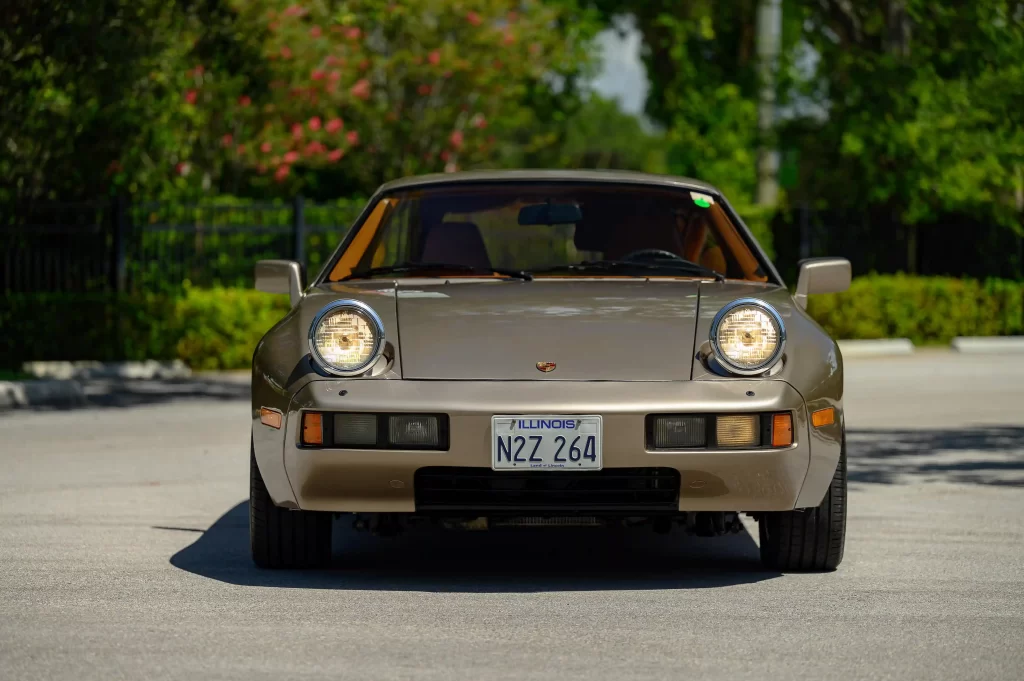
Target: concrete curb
x=876 y=347
x=50 y=393
x=148 y=369
x=977 y=345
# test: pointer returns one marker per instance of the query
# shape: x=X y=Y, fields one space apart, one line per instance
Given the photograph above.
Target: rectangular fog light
x=675 y=432
x=739 y=431
x=413 y=430
x=355 y=430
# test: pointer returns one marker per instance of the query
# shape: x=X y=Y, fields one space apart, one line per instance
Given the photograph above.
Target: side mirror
x=822 y=275
x=280 y=276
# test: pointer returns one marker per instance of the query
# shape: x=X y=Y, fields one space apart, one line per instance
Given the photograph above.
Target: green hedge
x=923 y=309
x=213 y=328
x=218 y=328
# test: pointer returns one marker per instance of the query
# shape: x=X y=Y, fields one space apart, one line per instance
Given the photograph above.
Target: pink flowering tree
x=386 y=88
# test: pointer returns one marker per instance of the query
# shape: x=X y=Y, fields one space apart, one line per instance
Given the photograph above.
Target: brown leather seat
x=455 y=243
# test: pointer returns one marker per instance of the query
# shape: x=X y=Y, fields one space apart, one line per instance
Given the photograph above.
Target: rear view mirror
x=550 y=214
x=280 y=276
x=822 y=275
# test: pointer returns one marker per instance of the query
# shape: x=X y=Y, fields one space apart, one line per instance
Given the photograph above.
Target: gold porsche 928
x=549 y=347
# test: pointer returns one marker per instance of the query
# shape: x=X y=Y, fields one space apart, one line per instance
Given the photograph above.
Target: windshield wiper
x=412 y=267
x=626 y=266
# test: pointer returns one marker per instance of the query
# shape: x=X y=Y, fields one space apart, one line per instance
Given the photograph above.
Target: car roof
x=609 y=176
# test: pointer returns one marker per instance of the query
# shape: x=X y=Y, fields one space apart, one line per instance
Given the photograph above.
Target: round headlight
x=748 y=336
x=346 y=338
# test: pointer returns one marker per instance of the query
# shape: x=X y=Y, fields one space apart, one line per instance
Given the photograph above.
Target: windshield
x=554 y=230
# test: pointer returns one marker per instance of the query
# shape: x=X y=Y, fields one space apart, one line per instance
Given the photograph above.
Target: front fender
x=811 y=363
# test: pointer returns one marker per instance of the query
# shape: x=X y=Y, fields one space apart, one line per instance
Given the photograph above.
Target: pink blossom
x=353 y=33
x=473 y=18
x=266 y=147
x=226 y=140
x=361 y=89
x=191 y=96
x=314 y=148
x=334 y=125
x=451 y=167
x=296 y=131
x=315 y=32
x=182 y=168
x=335 y=155
x=456 y=139
x=434 y=57
x=314 y=123
x=423 y=89
x=244 y=101
x=294 y=11
x=286 y=52
x=317 y=74
x=478 y=121
x=334 y=76
x=353 y=137
x=281 y=173
x=291 y=157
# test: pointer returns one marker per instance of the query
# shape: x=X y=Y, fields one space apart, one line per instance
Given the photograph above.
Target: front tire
x=283 y=539
x=808 y=539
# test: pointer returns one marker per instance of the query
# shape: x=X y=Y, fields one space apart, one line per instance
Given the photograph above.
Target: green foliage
x=219 y=328
x=600 y=135
x=180 y=99
x=924 y=108
x=94 y=95
x=206 y=328
x=923 y=309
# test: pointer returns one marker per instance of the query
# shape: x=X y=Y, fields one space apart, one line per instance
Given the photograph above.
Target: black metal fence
x=122 y=246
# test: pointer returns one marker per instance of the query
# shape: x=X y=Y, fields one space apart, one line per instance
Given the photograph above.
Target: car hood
x=630 y=330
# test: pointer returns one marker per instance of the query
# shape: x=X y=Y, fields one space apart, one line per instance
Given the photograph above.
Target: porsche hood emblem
x=546 y=367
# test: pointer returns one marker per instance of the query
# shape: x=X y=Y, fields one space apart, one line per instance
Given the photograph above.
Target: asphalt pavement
x=124 y=555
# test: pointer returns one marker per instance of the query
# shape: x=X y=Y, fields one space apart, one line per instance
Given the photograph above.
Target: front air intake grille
x=481 y=489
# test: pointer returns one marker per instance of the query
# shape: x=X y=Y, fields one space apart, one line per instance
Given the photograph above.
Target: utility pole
x=769 y=43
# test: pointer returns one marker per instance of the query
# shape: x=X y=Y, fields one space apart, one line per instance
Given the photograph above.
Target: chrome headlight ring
x=360 y=309
x=763 y=366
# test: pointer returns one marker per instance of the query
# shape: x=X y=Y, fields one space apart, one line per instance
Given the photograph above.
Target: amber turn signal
x=270 y=417
x=823 y=417
x=782 y=430
x=312 y=428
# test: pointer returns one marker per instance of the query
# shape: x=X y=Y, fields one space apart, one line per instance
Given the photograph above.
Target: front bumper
x=711 y=480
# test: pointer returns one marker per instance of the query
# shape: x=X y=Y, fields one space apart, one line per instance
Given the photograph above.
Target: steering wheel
x=651 y=254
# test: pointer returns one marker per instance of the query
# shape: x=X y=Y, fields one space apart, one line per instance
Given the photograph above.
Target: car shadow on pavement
x=502 y=560
x=986 y=455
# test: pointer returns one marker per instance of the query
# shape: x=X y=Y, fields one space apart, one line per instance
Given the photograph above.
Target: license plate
x=545 y=442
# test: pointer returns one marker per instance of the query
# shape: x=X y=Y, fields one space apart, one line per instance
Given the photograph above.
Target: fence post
x=119 y=229
x=299 y=231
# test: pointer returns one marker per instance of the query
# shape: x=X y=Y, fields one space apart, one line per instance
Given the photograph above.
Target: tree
x=385 y=89
x=924 y=103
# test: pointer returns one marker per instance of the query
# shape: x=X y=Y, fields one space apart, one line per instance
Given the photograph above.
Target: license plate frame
x=510 y=454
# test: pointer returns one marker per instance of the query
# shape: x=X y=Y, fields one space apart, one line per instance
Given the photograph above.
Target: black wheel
x=281 y=538
x=808 y=539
